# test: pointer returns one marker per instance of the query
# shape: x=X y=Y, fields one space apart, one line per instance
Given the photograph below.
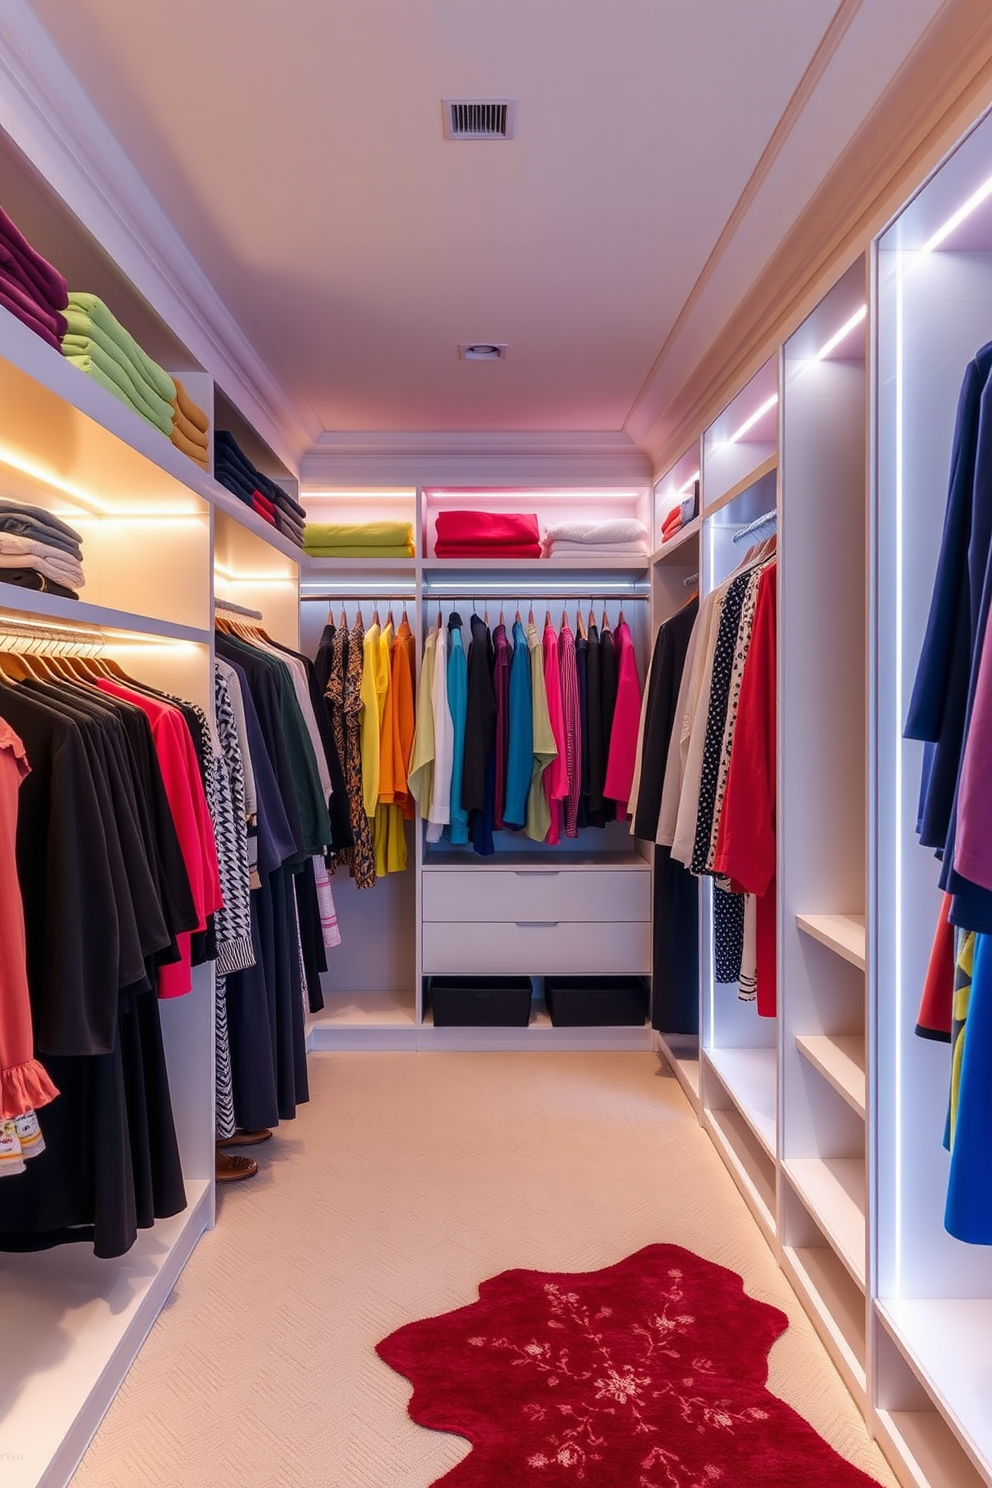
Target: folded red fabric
x=258 y=505
x=480 y=529
x=475 y=550
x=262 y=503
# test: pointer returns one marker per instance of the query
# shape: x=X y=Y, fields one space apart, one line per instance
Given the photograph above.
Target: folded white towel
x=618 y=529
x=561 y=549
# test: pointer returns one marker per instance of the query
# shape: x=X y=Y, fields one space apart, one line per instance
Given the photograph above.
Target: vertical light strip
x=898 y=837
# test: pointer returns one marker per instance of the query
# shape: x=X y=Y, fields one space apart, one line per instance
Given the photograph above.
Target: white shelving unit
x=933 y=1294
x=374 y=986
x=160 y=538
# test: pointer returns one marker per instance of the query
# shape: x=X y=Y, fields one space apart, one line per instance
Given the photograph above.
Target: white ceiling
x=298 y=149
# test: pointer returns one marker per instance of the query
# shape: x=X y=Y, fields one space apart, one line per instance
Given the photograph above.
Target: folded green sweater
x=95 y=313
x=89 y=366
x=138 y=392
x=360 y=550
x=362 y=534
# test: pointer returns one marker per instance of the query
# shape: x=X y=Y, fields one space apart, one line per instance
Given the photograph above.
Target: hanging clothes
x=556 y=775
x=572 y=727
x=626 y=718
x=520 y=743
x=595 y=754
x=501 y=743
x=421 y=775
x=545 y=746
x=458 y=705
x=675 y=980
x=746 y=847
x=609 y=684
x=439 y=814
x=24 y=1083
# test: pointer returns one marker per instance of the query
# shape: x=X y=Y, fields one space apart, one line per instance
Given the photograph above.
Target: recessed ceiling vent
x=482 y=351
x=479 y=118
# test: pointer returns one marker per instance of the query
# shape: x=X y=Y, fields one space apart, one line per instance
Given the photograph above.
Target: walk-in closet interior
x=786 y=885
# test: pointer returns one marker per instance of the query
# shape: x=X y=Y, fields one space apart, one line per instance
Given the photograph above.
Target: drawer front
x=529 y=948
x=601 y=894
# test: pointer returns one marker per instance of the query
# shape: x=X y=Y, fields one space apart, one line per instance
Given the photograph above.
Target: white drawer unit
x=604 y=895
x=532 y=946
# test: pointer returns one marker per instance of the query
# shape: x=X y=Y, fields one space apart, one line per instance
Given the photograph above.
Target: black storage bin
x=591 y=1002
x=480 y=1002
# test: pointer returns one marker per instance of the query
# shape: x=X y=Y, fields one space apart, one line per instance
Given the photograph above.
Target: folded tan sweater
x=188 y=408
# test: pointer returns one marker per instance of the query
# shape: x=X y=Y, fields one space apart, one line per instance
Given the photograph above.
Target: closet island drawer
x=536 y=948
x=601 y=894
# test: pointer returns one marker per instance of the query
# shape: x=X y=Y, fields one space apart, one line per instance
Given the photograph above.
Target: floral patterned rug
x=647 y=1374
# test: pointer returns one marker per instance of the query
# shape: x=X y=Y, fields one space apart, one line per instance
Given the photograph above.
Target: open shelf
x=767 y=466
x=836 y=1305
x=923 y=1445
x=840 y=1059
x=947 y=1342
x=77 y=615
x=749 y=1076
x=681 y=1054
x=748 y=1163
x=618 y=562
x=682 y=544
x=833 y=1190
x=842 y=933
x=99 y=1313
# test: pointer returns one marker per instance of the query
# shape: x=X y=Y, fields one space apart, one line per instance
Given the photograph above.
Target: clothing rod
x=227 y=606
x=28 y=630
x=329 y=596
x=756 y=526
x=478 y=591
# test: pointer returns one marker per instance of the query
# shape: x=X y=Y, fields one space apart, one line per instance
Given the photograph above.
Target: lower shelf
x=923 y=1452
x=748 y=1162
x=750 y=1078
x=374 y=1028
x=78 y=1323
x=681 y=1054
x=833 y=1190
x=837 y=1308
x=947 y=1342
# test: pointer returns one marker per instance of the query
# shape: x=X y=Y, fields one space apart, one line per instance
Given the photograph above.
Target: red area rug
x=647 y=1374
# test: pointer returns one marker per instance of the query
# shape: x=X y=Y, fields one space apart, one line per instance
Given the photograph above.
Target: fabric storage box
x=480 y=1002
x=575 y=1002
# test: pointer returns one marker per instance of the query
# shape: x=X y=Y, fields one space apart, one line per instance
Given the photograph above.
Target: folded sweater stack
x=479 y=534
x=39 y=551
x=30 y=288
x=621 y=537
x=189 y=427
x=234 y=471
x=680 y=516
x=359 y=539
x=98 y=345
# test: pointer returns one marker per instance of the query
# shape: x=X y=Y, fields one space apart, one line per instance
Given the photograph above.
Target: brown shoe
x=230 y=1169
x=246 y=1138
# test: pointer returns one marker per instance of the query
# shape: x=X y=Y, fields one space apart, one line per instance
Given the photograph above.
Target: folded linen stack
x=234 y=471
x=620 y=537
x=480 y=534
x=98 y=345
x=679 y=516
x=39 y=551
x=30 y=287
x=189 y=427
x=359 y=539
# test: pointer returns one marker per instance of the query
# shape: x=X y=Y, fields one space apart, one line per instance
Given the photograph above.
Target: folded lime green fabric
x=95 y=312
x=144 y=398
x=89 y=366
x=364 y=534
x=360 y=550
x=84 y=335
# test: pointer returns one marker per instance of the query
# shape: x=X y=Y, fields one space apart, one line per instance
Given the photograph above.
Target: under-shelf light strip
x=839 y=336
x=961 y=215
x=755 y=418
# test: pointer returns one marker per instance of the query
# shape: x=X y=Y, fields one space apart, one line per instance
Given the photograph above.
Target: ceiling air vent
x=482 y=351
x=479 y=118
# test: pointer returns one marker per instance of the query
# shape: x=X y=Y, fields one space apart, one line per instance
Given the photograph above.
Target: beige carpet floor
x=408 y=1180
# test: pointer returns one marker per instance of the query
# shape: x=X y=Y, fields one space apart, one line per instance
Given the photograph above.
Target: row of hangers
x=45 y=655
x=580 y=624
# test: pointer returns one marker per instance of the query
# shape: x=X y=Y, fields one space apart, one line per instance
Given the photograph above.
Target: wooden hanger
x=606 y=621
x=580 y=624
x=547 y=618
x=592 y=619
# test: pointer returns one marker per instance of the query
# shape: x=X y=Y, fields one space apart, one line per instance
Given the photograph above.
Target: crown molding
x=940 y=91
x=51 y=118
x=566 y=458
